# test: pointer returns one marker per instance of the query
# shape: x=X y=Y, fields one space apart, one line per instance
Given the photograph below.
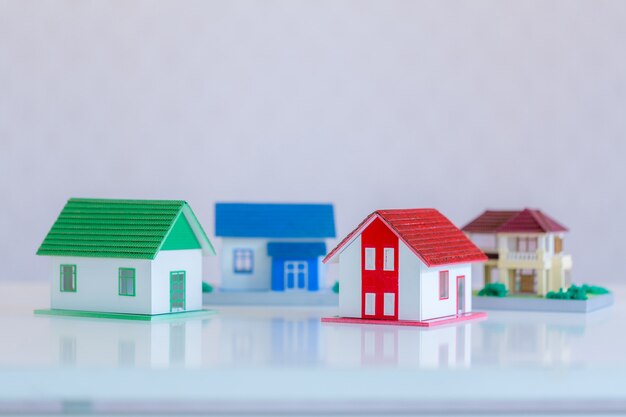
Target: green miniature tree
x=206 y=287
x=495 y=289
x=336 y=287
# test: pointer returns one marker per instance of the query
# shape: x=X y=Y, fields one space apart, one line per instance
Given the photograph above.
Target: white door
x=296 y=275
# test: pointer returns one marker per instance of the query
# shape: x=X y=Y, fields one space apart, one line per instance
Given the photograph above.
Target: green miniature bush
x=577 y=293
x=574 y=292
x=495 y=289
x=594 y=289
x=336 y=287
x=206 y=287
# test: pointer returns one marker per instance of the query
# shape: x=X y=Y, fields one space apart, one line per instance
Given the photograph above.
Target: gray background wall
x=458 y=105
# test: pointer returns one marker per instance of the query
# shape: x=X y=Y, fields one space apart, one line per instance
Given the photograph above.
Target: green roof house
x=140 y=257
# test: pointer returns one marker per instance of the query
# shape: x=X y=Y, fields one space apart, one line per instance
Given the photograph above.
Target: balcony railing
x=522 y=256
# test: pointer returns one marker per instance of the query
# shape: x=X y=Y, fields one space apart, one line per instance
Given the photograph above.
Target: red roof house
x=411 y=266
x=525 y=250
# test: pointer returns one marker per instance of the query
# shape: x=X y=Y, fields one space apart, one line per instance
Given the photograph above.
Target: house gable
x=181 y=236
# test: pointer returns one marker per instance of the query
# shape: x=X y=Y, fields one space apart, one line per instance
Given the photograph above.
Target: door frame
x=460 y=278
x=184 y=292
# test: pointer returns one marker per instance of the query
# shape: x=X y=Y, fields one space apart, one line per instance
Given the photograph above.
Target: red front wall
x=377 y=235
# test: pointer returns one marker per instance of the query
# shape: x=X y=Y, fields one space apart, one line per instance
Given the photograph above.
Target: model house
x=126 y=256
x=275 y=247
x=405 y=265
x=525 y=250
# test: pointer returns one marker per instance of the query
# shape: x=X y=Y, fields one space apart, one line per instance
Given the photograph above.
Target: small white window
x=243 y=261
x=390 y=304
x=370 y=303
x=370 y=259
x=389 y=262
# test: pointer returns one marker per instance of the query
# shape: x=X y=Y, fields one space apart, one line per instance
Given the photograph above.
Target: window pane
x=243 y=260
x=390 y=304
x=68 y=278
x=370 y=259
x=370 y=304
x=67 y=282
x=389 y=259
x=444 y=283
x=127 y=281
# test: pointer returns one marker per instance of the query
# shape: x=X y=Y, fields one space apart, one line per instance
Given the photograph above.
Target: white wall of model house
x=432 y=305
x=350 y=279
x=97 y=283
x=166 y=261
x=261 y=275
x=418 y=285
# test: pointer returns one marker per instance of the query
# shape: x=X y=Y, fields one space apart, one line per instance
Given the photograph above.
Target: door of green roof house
x=177 y=291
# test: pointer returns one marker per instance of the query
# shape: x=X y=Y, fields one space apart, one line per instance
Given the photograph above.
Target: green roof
x=136 y=229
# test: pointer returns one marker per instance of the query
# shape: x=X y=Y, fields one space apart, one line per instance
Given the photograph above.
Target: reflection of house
x=270 y=339
x=406 y=265
x=525 y=250
x=109 y=343
x=443 y=347
x=274 y=247
x=126 y=256
x=529 y=339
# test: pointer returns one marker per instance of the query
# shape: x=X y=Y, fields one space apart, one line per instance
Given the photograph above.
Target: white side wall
x=409 y=305
x=260 y=279
x=97 y=286
x=432 y=306
x=167 y=261
x=350 y=280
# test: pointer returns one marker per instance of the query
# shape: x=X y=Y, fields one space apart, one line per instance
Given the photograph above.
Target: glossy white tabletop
x=251 y=360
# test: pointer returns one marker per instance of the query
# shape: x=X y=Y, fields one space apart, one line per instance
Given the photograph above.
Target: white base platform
x=596 y=302
x=271 y=298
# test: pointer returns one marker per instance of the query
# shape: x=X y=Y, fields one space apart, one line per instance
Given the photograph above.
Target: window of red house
x=444 y=285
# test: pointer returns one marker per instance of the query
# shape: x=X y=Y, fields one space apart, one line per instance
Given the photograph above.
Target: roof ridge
x=122 y=201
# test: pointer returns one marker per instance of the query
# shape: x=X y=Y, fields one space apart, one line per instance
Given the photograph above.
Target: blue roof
x=274 y=220
x=290 y=250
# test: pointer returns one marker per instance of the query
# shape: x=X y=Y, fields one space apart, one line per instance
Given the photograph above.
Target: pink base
x=426 y=323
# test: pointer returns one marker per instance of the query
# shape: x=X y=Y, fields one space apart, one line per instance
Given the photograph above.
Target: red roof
x=428 y=233
x=506 y=221
x=489 y=221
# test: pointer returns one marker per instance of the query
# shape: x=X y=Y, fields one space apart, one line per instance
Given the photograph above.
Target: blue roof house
x=275 y=247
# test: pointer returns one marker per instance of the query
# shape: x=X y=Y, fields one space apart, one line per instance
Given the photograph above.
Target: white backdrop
x=458 y=105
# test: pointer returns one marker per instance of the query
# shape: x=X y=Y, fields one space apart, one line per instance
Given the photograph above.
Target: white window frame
x=389 y=259
x=243 y=261
x=390 y=304
x=370 y=303
x=370 y=259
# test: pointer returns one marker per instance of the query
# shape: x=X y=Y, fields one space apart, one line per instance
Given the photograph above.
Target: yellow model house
x=525 y=250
